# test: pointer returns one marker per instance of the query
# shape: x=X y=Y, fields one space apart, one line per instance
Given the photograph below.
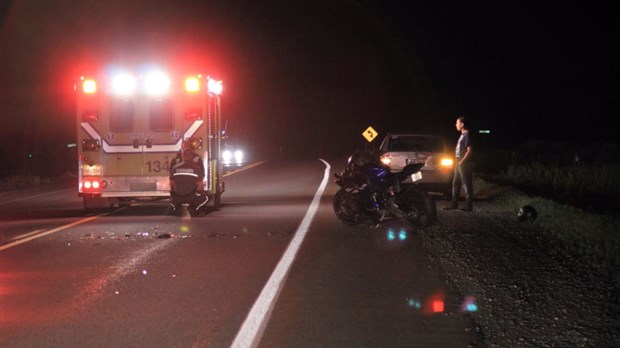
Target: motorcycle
x=371 y=194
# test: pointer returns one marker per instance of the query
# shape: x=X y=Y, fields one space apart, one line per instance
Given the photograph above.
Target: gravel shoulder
x=530 y=291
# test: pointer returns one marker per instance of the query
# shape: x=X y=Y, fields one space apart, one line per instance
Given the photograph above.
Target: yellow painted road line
x=46 y=233
x=22 y=236
x=245 y=168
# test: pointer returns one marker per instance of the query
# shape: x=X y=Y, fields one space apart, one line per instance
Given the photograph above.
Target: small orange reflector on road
x=437 y=306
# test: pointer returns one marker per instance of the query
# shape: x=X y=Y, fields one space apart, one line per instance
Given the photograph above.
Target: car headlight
x=385 y=159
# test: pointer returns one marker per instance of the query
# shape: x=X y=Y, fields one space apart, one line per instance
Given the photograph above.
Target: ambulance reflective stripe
x=202 y=204
x=92 y=132
x=120 y=148
x=186 y=174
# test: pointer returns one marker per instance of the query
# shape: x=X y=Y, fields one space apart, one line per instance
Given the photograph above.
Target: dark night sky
x=312 y=75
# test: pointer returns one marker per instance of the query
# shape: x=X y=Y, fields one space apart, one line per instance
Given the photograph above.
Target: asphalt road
x=270 y=268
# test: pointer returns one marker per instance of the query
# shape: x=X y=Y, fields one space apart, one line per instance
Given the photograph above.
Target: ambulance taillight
x=92 y=185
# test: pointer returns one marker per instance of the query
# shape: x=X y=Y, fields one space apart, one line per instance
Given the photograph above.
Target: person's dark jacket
x=186 y=177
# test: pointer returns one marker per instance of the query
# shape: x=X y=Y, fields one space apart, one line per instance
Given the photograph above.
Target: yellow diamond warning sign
x=370 y=134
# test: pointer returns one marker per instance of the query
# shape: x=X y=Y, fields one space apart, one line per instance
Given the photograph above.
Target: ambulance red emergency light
x=130 y=126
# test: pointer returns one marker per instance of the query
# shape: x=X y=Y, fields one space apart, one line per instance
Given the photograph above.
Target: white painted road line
x=46 y=233
x=253 y=327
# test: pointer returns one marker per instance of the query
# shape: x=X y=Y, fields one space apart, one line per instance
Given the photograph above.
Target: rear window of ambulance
x=161 y=115
x=121 y=115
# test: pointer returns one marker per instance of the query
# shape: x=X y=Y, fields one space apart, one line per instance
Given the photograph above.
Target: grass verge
x=20 y=182
x=596 y=237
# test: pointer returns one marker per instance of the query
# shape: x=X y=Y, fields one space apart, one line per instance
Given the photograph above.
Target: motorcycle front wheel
x=419 y=208
x=348 y=208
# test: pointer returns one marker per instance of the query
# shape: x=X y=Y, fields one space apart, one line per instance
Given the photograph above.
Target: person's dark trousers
x=463 y=175
x=196 y=200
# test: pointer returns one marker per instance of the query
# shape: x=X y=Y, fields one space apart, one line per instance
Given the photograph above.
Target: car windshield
x=415 y=143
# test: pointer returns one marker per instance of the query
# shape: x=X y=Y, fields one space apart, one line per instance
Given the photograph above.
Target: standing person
x=462 y=170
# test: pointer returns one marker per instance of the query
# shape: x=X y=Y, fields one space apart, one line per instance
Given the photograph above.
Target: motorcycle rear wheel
x=420 y=209
x=348 y=208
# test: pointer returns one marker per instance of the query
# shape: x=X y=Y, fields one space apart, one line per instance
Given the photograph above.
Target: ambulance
x=130 y=126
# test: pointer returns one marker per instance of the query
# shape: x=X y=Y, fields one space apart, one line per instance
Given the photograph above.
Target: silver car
x=399 y=150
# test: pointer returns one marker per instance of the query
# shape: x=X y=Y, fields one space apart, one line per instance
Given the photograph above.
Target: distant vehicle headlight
x=232 y=157
x=239 y=156
x=226 y=156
